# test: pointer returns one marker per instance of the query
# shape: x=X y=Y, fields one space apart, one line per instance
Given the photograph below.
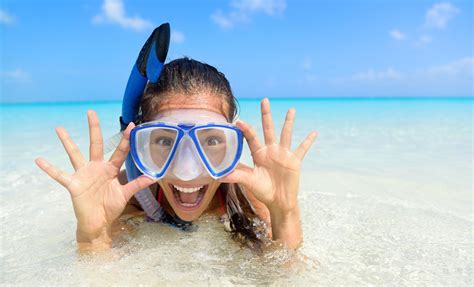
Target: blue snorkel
x=148 y=67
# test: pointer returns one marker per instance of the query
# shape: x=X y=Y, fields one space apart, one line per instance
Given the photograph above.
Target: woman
x=188 y=93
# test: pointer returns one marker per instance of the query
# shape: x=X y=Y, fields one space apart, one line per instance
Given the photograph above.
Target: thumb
x=241 y=174
x=136 y=185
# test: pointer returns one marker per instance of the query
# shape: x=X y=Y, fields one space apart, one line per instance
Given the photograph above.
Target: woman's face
x=189 y=198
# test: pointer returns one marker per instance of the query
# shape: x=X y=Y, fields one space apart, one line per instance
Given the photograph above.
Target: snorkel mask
x=186 y=145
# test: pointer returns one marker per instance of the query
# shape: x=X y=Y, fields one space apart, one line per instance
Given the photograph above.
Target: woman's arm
x=286 y=228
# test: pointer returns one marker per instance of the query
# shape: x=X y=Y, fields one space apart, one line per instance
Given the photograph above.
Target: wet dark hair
x=189 y=77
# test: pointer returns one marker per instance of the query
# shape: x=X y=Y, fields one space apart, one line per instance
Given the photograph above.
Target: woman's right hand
x=97 y=196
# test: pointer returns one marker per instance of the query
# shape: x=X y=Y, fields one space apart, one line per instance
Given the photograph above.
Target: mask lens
x=219 y=145
x=154 y=146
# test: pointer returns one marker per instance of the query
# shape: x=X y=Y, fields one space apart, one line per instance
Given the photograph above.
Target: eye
x=211 y=141
x=163 y=141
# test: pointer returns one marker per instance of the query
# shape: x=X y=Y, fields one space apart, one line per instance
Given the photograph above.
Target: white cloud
x=226 y=21
x=222 y=20
x=307 y=64
x=270 y=82
x=242 y=10
x=423 y=40
x=309 y=79
x=460 y=67
x=373 y=75
x=269 y=7
x=113 y=11
x=440 y=14
x=177 y=37
x=449 y=79
x=6 y=18
x=397 y=34
x=16 y=75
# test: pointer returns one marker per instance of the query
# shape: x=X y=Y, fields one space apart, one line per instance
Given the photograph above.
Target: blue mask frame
x=183 y=130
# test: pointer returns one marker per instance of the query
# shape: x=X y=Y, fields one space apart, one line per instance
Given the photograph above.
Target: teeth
x=188 y=190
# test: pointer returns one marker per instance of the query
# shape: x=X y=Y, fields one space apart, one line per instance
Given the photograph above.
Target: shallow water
x=386 y=198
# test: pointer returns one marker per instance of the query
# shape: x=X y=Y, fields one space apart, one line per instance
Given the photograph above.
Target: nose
x=187 y=166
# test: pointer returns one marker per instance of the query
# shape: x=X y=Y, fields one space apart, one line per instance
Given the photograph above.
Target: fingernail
x=57 y=129
x=40 y=161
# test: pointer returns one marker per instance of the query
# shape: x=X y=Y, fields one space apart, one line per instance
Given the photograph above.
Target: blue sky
x=84 y=50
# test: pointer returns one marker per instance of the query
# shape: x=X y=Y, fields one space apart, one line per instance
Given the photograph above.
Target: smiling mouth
x=188 y=198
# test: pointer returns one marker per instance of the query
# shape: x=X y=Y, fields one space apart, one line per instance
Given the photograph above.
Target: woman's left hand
x=274 y=179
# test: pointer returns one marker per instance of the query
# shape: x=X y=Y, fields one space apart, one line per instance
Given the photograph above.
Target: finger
x=61 y=177
x=250 y=136
x=267 y=123
x=75 y=156
x=241 y=174
x=121 y=152
x=305 y=145
x=96 y=148
x=136 y=185
x=287 y=131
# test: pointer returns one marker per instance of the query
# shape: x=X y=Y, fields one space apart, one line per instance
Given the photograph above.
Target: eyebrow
x=169 y=131
x=206 y=131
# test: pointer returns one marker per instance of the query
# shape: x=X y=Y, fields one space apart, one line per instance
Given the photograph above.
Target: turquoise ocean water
x=386 y=197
